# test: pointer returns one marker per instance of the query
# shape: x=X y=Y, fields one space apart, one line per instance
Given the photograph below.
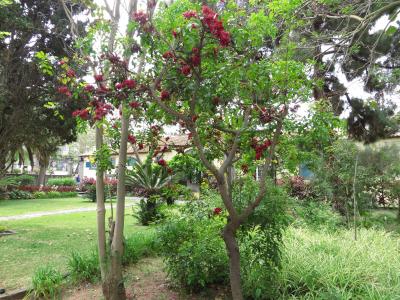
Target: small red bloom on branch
x=140 y=17
x=99 y=77
x=165 y=95
x=185 y=70
x=129 y=83
x=162 y=162
x=190 y=14
x=168 y=55
x=134 y=104
x=88 y=88
x=217 y=210
x=71 y=73
x=132 y=139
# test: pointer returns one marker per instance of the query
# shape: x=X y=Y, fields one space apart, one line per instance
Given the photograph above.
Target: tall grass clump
x=46 y=283
x=323 y=265
x=84 y=267
x=140 y=244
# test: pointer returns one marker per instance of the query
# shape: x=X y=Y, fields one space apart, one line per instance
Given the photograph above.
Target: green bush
x=17 y=194
x=194 y=252
x=321 y=265
x=68 y=181
x=139 y=245
x=148 y=211
x=315 y=215
x=46 y=283
x=84 y=268
x=25 y=179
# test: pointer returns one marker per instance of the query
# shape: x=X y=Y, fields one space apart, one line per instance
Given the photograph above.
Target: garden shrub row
x=20 y=194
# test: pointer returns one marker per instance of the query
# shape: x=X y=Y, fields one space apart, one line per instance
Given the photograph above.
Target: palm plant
x=149 y=177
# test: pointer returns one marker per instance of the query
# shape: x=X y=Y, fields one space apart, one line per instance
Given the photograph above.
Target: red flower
x=224 y=38
x=194 y=118
x=88 y=88
x=141 y=146
x=132 y=139
x=63 y=89
x=70 y=73
x=168 y=55
x=196 y=60
x=134 y=104
x=267 y=143
x=190 y=14
x=118 y=86
x=129 y=83
x=61 y=62
x=174 y=33
x=165 y=95
x=185 y=70
x=217 y=210
x=245 y=168
x=83 y=114
x=99 y=77
x=162 y=162
x=140 y=17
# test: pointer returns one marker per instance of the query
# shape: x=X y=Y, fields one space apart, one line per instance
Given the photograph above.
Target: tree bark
x=232 y=247
x=117 y=247
x=43 y=164
x=101 y=221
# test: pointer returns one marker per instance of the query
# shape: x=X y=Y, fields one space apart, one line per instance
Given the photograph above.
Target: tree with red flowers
x=225 y=74
x=113 y=99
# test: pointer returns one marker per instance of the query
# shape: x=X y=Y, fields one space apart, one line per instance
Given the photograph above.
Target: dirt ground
x=145 y=280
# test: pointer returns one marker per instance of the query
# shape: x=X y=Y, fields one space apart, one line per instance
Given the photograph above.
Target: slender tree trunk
x=43 y=164
x=117 y=247
x=232 y=247
x=354 y=199
x=101 y=220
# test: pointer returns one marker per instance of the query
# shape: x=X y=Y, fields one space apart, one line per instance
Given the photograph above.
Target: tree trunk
x=229 y=235
x=117 y=247
x=43 y=164
x=101 y=218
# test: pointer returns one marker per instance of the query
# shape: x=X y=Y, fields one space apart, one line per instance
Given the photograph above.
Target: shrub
x=320 y=265
x=84 y=268
x=88 y=186
x=39 y=195
x=148 y=211
x=68 y=181
x=17 y=194
x=173 y=192
x=25 y=179
x=46 y=283
x=316 y=215
x=65 y=188
x=194 y=252
x=52 y=194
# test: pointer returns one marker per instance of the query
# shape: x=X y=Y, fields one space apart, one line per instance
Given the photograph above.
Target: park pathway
x=132 y=201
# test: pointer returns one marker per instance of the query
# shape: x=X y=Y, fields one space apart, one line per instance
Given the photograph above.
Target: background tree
x=33 y=26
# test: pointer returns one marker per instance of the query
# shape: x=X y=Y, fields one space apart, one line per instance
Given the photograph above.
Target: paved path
x=62 y=212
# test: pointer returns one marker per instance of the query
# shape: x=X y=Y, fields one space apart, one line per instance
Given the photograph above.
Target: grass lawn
x=20 y=207
x=47 y=240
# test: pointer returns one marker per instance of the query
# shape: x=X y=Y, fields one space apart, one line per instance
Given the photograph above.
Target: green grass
x=321 y=265
x=20 y=207
x=48 y=240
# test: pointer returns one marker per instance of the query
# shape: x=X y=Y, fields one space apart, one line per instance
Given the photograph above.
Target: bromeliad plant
x=225 y=74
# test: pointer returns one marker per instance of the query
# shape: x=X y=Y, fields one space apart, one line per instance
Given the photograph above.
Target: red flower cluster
x=190 y=14
x=140 y=17
x=71 y=73
x=168 y=55
x=210 y=19
x=88 y=88
x=260 y=148
x=196 y=57
x=265 y=116
x=217 y=210
x=132 y=139
x=164 y=95
x=162 y=162
x=185 y=70
x=245 y=168
x=134 y=104
x=101 y=109
x=129 y=84
x=99 y=77
x=81 y=113
x=64 y=90
x=141 y=146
